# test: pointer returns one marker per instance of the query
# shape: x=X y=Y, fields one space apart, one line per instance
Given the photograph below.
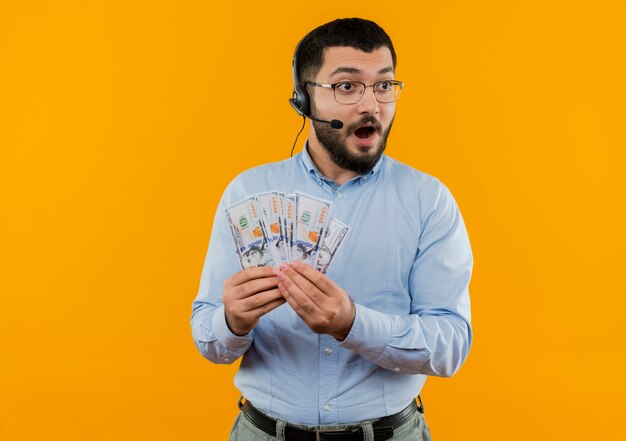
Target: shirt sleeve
x=210 y=332
x=435 y=337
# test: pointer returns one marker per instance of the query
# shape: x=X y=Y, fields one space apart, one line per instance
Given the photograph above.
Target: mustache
x=366 y=120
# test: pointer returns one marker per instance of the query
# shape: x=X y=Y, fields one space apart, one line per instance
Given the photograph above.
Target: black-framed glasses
x=351 y=92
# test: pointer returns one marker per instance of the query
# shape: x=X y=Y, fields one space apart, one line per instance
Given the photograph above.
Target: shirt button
x=339 y=195
x=327 y=407
x=328 y=351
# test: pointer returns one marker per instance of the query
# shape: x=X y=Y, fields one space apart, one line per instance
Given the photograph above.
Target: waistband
x=383 y=428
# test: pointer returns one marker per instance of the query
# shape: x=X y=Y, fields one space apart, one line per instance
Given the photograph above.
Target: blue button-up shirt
x=406 y=263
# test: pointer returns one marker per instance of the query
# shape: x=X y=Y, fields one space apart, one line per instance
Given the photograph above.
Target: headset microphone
x=334 y=123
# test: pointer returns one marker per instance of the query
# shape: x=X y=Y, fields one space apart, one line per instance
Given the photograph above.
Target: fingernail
x=280 y=275
x=284 y=267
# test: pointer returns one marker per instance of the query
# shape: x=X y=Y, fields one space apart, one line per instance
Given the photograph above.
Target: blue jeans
x=415 y=429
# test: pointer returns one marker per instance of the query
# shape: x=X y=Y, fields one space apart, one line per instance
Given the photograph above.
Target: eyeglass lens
x=351 y=92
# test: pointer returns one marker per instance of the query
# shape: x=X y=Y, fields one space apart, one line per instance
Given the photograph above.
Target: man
x=342 y=355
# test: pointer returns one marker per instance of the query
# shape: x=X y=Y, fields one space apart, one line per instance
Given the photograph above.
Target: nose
x=369 y=103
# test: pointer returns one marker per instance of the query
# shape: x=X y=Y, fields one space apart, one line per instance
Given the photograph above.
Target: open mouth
x=364 y=132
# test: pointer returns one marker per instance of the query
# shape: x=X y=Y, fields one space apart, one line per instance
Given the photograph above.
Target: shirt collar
x=310 y=166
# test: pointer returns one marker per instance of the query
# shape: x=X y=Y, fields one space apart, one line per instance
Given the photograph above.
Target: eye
x=345 y=87
x=384 y=86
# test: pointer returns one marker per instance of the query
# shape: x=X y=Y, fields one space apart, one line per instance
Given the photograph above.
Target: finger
x=321 y=281
x=248 y=274
x=299 y=301
x=292 y=302
x=268 y=307
x=273 y=305
x=254 y=287
x=305 y=285
x=262 y=299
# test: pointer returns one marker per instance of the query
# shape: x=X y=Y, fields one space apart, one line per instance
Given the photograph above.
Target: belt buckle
x=319 y=431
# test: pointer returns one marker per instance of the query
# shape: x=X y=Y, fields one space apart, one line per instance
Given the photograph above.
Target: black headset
x=300 y=101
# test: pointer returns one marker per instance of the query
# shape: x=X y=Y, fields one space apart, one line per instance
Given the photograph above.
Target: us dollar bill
x=248 y=232
x=312 y=215
x=334 y=236
x=282 y=197
x=290 y=207
x=269 y=203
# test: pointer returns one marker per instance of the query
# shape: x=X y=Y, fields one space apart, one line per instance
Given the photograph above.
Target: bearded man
x=342 y=355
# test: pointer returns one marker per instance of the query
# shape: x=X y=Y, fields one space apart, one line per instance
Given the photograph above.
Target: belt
x=383 y=427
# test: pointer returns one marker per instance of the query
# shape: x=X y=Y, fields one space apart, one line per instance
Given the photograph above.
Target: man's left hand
x=323 y=305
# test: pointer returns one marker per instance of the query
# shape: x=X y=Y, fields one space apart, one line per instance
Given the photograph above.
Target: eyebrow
x=354 y=70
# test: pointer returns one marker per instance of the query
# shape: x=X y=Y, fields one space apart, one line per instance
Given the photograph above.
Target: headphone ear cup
x=302 y=100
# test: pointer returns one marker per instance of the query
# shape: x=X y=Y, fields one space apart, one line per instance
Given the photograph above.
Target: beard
x=334 y=142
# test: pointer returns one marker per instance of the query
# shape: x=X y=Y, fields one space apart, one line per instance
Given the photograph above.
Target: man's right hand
x=248 y=295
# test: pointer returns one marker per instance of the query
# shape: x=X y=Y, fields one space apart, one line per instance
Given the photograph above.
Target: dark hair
x=357 y=33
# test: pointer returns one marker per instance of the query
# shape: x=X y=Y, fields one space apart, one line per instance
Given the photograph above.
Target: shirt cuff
x=369 y=334
x=233 y=343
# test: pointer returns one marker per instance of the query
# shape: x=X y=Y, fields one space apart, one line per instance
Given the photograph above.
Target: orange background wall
x=121 y=122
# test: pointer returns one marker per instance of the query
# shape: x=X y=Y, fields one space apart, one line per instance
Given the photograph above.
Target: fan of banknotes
x=271 y=228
